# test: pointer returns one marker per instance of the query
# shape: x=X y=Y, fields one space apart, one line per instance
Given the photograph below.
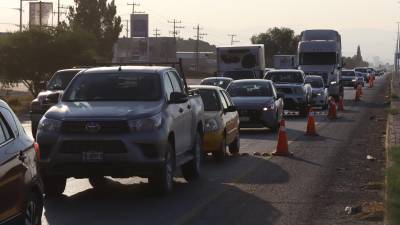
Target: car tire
x=234 y=147
x=98 y=182
x=191 y=169
x=163 y=181
x=54 y=186
x=33 y=210
x=221 y=153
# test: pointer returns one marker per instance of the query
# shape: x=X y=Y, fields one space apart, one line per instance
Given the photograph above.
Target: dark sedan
x=21 y=194
x=258 y=103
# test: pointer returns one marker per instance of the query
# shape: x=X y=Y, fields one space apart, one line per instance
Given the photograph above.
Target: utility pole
x=157 y=32
x=233 y=41
x=133 y=4
x=175 y=30
x=127 y=28
x=58 y=13
x=20 y=12
x=198 y=37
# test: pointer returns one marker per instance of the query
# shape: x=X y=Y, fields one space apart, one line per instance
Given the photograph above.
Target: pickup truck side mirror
x=178 y=98
x=231 y=108
x=280 y=95
x=53 y=98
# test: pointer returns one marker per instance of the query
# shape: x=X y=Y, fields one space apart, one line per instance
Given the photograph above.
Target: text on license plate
x=92 y=156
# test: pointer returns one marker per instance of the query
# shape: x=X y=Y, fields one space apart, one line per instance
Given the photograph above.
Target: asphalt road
x=242 y=190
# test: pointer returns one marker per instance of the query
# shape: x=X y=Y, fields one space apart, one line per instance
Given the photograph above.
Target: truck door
x=12 y=173
x=186 y=112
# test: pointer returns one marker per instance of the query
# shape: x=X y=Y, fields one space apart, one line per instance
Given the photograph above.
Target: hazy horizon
x=371 y=25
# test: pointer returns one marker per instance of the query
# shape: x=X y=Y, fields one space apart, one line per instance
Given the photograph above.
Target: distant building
x=130 y=50
x=207 y=62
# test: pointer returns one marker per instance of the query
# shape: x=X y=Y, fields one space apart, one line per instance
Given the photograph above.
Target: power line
x=175 y=30
x=198 y=37
x=233 y=41
x=157 y=32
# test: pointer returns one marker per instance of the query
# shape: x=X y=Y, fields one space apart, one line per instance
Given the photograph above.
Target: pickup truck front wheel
x=163 y=180
x=191 y=169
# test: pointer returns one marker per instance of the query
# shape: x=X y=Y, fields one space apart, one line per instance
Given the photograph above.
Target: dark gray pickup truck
x=122 y=122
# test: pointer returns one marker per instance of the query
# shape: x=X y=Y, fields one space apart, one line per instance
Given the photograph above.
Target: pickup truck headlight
x=269 y=107
x=211 y=125
x=333 y=82
x=49 y=125
x=146 y=124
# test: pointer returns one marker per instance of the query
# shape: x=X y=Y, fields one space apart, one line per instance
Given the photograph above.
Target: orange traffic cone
x=332 y=109
x=341 y=104
x=358 y=93
x=282 y=148
x=311 y=131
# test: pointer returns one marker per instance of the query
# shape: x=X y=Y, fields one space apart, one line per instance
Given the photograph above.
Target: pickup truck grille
x=285 y=90
x=109 y=146
x=103 y=127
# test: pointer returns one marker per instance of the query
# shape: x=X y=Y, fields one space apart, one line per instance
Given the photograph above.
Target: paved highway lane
x=241 y=190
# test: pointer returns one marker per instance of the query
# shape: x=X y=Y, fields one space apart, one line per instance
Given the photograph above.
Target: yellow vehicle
x=221 y=121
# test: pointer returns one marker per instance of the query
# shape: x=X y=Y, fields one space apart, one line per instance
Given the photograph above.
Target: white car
x=319 y=91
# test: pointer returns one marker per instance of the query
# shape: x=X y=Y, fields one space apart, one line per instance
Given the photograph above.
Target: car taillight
x=37 y=149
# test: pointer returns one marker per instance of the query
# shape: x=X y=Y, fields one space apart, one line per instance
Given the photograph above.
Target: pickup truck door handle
x=22 y=156
x=180 y=110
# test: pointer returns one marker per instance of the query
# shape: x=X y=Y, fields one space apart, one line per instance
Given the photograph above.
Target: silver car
x=258 y=103
x=319 y=91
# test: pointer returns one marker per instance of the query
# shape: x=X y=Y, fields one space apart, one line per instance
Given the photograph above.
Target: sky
x=368 y=23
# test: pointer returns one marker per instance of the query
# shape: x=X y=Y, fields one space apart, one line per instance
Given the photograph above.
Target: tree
x=277 y=41
x=32 y=56
x=355 y=61
x=99 y=18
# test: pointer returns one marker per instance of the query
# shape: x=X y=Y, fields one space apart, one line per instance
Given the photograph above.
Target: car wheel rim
x=30 y=214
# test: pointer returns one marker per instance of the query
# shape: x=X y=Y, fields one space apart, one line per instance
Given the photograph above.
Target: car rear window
x=210 y=100
x=216 y=82
x=315 y=83
x=285 y=77
x=115 y=87
x=250 y=89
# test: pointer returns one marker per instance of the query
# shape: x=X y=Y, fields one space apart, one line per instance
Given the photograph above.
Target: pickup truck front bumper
x=116 y=155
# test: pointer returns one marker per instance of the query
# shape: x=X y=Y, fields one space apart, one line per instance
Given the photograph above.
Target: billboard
x=39 y=13
x=140 y=25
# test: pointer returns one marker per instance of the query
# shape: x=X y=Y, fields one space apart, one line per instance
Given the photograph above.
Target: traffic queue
x=146 y=121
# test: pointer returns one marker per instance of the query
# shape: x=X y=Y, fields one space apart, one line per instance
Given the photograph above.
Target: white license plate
x=244 y=119
x=92 y=156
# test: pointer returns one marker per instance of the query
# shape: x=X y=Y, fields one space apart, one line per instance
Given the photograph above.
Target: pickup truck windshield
x=361 y=70
x=348 y=73
x=114 y=87
x=60 y=80
x=318 y=58
x=285 y=77
x=250 y=89
x=210 y=100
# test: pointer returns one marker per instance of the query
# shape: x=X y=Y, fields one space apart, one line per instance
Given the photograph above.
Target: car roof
x=217 y=78
x=140 y=69
x=206 y=87
x=4 y=105
x=251 y=80
x=285 y=70
x=314 y=77
x=70 y=70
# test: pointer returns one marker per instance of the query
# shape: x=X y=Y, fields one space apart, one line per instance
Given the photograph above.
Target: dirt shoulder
x=353 y=180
